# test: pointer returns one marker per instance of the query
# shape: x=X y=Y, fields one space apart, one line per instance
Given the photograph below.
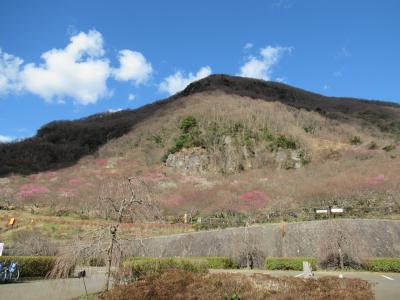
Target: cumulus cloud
x=9 y=73
x=178 y=81
x=5 y=139
x=133 y=67
x=261 y=67
x=79 y=71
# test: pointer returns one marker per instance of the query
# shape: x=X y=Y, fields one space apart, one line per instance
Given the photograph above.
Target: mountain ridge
x=62 y=143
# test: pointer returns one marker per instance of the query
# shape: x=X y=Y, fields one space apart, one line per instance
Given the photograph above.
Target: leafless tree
x=339 y=247
x=128 y=200
x=31 y=242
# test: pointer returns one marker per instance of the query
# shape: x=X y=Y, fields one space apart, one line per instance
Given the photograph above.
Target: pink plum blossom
x=29 y=190
x=255 y=199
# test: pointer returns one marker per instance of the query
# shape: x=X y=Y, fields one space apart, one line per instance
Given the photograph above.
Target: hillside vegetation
x=225 y=146
x=63 y=143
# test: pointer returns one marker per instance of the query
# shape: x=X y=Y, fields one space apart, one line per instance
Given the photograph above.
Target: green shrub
x=138 y=267
x=142 y=266
x=94 y=261
x=383 y=264
x=282 y=141
x=389 y=148
x=355 y=140
x=309 y=129
x=288 y=263
x=219 y=262
x=31 y=266
x=372 y=146
x=190 y=137
x=188 y=123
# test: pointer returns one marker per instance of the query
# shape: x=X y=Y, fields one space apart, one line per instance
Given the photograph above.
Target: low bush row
x=139 y=267
x=39 y=266
x=384 y=264
x=136 y=267
x=375 y=264
x=289 y=263
x=31 y=266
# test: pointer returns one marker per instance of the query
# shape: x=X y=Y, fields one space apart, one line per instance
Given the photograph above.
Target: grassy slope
x=363 y=180
x=340 y=173
x=61 y=144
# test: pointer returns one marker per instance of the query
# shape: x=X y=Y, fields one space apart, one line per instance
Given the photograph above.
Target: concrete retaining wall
x=375 y=237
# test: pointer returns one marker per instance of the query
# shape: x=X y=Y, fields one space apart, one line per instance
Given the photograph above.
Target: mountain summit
x=62 y=143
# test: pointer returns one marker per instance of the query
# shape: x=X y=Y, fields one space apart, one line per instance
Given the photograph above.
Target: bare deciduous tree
x=128 y=200
x=31 y=242
x=339 y=247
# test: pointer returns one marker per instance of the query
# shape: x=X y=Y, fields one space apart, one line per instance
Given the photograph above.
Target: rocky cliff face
x=189 y=161
x=231 y=158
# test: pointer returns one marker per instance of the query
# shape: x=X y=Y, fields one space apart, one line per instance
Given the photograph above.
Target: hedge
x=149 y=266
x=383 y=264
x=213 y=262
x=31 y=266
x=289 y=263
x=216 y=262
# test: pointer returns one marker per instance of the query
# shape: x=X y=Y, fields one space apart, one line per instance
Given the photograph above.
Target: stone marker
x=307 y=269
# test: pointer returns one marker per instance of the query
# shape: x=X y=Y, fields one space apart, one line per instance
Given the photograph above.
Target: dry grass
x=338 y=171
x=62 y=230
x=184 y=285
x=221 y=108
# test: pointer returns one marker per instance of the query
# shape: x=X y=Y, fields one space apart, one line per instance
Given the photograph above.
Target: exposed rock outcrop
x=232 y=158
x=189 y=161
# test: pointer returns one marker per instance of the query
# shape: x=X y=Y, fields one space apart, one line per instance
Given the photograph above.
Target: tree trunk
x=113 y=231
x=341 y=259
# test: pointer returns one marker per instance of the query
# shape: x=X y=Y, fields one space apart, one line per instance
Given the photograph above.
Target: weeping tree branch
x=129 y=199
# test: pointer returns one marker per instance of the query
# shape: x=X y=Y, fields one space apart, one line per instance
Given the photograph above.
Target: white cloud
x=114 y=110
x=177 y=82
x=281 y=79
x=248 y=46
x=261 y=67
x=131 y=97
x=5 y=139
x=9 y=73
x=343 y=52
x=133 y=67
x=326 y=87
x=79 y=71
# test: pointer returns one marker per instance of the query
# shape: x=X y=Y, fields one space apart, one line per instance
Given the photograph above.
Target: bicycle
x=2 y=272
x=10 y=273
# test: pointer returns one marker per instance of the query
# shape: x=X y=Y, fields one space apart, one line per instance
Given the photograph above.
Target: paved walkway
x=57 y=289
x=386 y=286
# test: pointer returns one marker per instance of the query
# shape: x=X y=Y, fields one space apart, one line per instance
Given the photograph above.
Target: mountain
x=62 y=143
x=222 y=144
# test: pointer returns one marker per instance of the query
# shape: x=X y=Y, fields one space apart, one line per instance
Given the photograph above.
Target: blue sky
x=70 y=59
